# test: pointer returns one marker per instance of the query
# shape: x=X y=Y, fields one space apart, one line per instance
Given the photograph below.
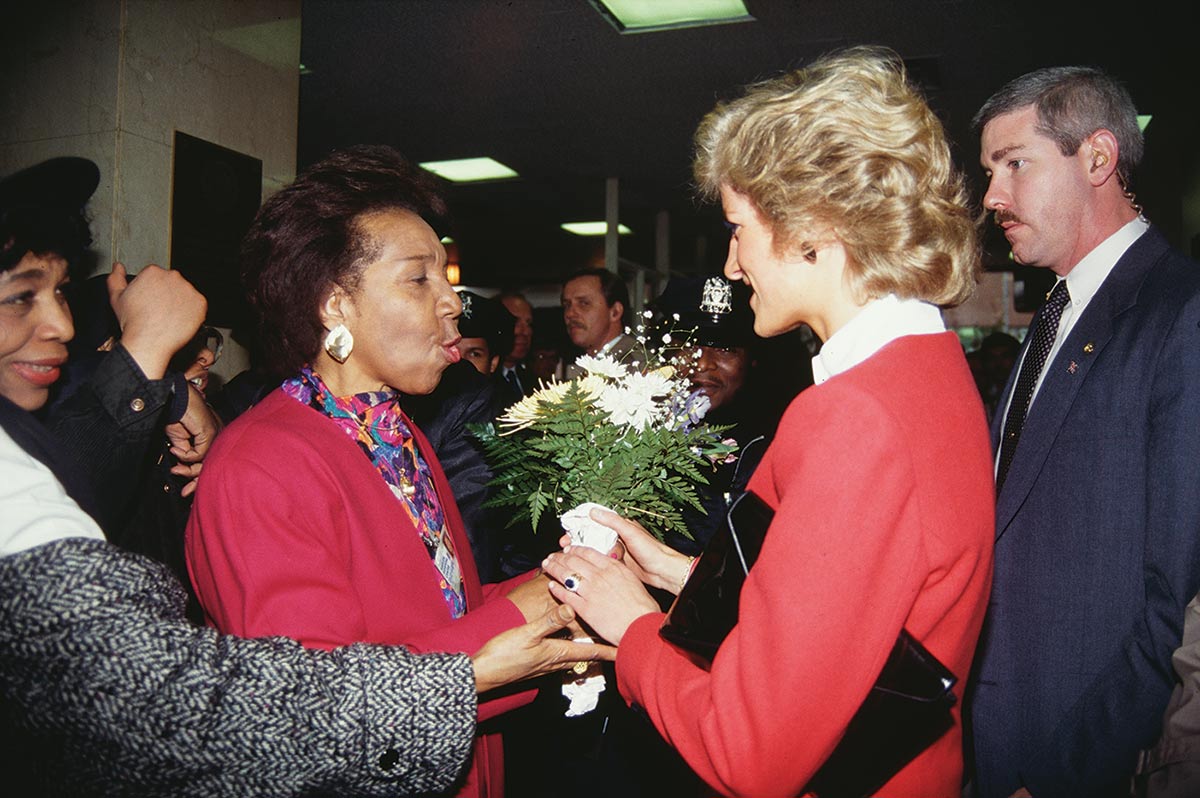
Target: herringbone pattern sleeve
x=106 y=690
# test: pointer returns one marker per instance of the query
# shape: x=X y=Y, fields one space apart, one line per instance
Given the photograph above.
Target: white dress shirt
x=1083 y=282
x=880 y=322
x=33 y=505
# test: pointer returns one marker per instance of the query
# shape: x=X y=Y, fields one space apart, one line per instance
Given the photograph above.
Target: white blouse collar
x=880 y=322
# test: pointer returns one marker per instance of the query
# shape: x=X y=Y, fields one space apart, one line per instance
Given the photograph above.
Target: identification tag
x=447 y=566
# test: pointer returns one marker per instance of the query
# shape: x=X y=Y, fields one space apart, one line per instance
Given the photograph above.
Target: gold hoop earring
x=339 y=343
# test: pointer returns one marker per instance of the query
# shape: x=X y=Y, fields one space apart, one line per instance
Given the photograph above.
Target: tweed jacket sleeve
x=111 y=691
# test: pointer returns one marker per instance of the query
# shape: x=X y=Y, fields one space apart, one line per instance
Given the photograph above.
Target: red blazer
x=881 y=480
x=293 y=532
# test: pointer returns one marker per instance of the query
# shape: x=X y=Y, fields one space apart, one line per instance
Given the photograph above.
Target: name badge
x=447 y=565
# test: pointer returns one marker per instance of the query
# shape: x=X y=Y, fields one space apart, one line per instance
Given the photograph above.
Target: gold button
x=137 y=405
x=1088 y=347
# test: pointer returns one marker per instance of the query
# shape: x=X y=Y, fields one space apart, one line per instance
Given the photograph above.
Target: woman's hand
x=655 y=563
x=190 y=438
x=159 y=312
x=607 y=594
x=527 y=651
x=533 y=598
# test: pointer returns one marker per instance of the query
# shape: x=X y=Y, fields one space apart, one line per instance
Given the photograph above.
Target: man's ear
x=333 y=307
x=616 y=311
x=1102 y=150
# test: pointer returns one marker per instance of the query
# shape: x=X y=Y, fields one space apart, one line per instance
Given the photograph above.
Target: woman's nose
x=56 y=323
x=732 y=270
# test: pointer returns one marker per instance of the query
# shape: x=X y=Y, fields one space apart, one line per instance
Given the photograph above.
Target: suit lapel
x=1068 y=372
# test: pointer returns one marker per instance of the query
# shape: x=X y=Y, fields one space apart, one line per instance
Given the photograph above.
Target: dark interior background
x=551 y=89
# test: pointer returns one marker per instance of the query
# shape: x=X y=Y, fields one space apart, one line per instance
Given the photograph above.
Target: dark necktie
x=1031 y=368
x=510 y=376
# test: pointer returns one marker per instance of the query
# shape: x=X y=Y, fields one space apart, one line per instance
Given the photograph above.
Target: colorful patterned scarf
x=376 y=423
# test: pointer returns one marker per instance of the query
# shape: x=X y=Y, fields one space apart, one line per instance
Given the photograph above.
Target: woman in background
x=848 y=216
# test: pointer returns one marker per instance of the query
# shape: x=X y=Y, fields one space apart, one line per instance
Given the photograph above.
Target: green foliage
x=560 y=448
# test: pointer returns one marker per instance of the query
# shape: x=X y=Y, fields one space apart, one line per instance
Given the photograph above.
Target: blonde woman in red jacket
x=846 y=215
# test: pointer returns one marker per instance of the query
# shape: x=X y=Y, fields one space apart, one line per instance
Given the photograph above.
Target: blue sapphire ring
x=572 y=582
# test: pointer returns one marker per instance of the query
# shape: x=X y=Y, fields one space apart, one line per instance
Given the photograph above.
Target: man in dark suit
x=514 y=368
x=1097 y=433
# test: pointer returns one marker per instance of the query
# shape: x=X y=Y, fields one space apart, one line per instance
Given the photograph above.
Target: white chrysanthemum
x=626 y=408
x=591 y=385
x=603 y=365
x=638 y=400
x=529 y=409
x=655 y=383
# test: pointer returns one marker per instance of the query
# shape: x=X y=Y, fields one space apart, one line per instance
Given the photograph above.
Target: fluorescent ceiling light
x=1143 y=121
x=637 y=16
x=592 y=228
x=469 y=170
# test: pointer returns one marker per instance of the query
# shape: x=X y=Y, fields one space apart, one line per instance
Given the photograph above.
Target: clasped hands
x=608 y=591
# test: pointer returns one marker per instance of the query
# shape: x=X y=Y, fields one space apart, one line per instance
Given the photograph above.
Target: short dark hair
x=1072 y=103
x=611 y=285
x=307 y=238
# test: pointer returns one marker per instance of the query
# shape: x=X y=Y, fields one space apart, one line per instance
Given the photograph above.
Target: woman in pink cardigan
x=846 y=215
x=322 y=513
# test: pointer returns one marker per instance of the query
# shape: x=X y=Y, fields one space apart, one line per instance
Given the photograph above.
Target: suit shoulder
x=1170 y=269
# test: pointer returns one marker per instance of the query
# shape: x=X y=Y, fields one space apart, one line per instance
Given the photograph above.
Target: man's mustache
x=1004 y=215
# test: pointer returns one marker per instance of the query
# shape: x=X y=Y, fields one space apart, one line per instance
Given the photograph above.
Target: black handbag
x=907 y=709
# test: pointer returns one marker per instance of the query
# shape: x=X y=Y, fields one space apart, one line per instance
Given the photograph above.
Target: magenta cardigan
x=293 y=532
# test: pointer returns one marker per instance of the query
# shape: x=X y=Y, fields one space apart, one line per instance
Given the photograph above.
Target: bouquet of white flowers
x=633 y=441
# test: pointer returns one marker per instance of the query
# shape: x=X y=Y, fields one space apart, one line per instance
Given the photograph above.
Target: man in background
x=715 y=318
x=486 y=328
x=514 y=369
x=594 y=304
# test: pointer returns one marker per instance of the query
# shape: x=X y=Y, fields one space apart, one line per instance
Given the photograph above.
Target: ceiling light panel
x=641 y=16
x=592 y=228
x=469 y=170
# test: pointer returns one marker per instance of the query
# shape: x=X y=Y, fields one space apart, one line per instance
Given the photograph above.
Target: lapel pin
x=1089 y=347
x=1073 y=367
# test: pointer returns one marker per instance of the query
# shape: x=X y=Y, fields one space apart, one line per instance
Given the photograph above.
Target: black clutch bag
x=907 y=709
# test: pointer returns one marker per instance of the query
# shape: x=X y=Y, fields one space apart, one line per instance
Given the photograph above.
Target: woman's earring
x=339 y=343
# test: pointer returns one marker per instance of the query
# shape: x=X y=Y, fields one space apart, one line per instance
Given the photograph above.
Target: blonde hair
x=847 y=144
